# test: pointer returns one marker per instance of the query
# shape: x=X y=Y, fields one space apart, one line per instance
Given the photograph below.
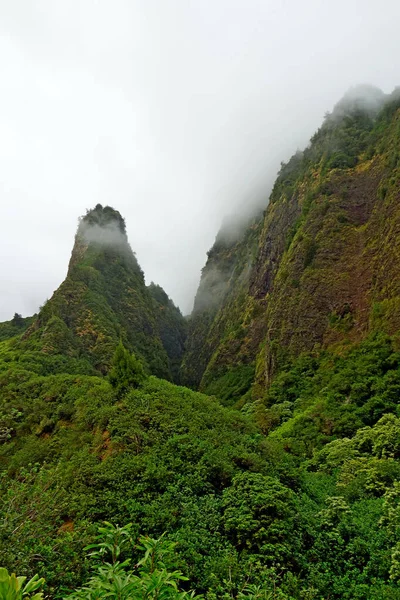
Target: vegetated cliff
x=104 y=299
x=322 y=264
x=222 y=325
x=171 y=327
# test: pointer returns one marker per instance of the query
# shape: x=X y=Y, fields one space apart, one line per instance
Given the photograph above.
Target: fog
x=175 y=112
x=109 y=234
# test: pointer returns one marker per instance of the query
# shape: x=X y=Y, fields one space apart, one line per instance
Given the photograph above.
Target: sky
x=175 y=112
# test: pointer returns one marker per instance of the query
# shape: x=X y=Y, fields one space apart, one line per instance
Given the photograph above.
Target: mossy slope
x=322 y=262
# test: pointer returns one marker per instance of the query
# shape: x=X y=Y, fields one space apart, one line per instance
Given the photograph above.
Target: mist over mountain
x=276 y=475
x=311 y=259
x=102 y=301
x=200 y=300
x=177 y=116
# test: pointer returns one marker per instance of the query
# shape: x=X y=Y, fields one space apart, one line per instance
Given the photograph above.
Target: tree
x=126 y=371
x=260 y=516
x=17 y=320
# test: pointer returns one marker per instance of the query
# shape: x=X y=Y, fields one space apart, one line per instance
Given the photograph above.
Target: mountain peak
x=101 y=229
x=104 y=300
x=102 y=220
x=103 y=226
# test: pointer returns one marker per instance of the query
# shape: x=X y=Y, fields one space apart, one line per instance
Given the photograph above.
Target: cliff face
x=320 y=264
x=222 y=331
x=171 y=327
x=102 y=300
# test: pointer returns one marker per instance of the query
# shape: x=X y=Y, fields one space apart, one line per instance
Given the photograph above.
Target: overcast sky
x=175 y=112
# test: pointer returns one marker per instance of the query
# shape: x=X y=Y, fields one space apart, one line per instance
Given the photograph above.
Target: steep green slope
x=103 y=299
x=220 y=329
x=325 y=269
x=172 y=328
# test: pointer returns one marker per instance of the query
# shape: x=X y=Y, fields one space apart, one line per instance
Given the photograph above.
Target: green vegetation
x=126 y=371
x=296 y=495
x=223 y=318
x=281 y=481
x=232 y=385
x=172 y=328
x=104 y=299
x=148 y=578
x=17 y=325
x=319 y=268
x=13 y=588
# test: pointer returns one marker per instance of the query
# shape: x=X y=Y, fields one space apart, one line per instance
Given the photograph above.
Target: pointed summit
x=103 y=300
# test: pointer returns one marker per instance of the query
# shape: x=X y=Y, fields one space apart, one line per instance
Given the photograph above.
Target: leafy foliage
x=149 y=578
x=126 y=371
x=15 y=588
x=308 y=511
x=17 y=325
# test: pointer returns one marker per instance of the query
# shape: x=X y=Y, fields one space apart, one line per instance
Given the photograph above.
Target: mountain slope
x=172 y=328
x=324 y=269
x=103 y=299
x=218 y=329
x=16 y=326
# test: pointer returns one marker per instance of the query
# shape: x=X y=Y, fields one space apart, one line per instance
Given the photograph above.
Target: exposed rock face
x=322 y=264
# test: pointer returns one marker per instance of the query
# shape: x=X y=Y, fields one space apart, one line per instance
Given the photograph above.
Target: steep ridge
x=171 y=327
x=218 y=329
x=104 y=299
x=324 y=269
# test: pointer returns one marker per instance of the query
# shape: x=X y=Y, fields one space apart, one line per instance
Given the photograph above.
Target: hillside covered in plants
x=275 y=473
x=103 y=299
x=318 y=268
